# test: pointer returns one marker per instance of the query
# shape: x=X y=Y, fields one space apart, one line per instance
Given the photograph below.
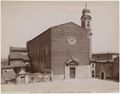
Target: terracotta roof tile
x=17 y=55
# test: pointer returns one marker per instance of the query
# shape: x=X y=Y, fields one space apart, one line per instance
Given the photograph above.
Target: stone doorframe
x=71 y=63
x=103 y=73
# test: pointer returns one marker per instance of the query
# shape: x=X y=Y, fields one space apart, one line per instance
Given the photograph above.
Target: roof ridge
x=64 y=24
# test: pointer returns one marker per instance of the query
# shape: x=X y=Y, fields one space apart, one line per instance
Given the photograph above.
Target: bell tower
x=86 y=18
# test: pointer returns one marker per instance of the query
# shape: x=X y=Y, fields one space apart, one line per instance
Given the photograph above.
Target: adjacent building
x=64 y=51
x=18 y=59
x=25 y=78
x=105 y=66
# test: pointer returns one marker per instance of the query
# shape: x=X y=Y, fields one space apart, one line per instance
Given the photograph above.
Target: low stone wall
x=40 y=78
x=81 y=72
x=33 y=78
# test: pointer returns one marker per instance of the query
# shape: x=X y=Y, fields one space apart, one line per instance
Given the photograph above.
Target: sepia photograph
x=59 y=46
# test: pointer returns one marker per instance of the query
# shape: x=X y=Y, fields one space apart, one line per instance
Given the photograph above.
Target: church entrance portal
x=72 y=73
x=71 y=68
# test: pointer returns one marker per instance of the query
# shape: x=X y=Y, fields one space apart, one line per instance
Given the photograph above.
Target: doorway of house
x=93 y=74
x=72 y=73
x=102 y=75
x=22 y=79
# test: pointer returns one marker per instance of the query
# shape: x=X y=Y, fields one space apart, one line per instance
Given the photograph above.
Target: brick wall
x=40 y=51
x=106 y=68
x=82 y=72
x=116 y=68
x=61 y=50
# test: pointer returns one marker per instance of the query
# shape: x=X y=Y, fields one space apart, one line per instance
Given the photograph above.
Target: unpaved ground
x=83 y=85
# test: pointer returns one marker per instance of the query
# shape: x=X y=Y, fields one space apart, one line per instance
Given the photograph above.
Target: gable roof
x=49 y=29
x=66 y=24
x=72 y=61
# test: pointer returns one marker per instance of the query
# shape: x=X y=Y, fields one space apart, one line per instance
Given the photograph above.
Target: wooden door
x=72 y=73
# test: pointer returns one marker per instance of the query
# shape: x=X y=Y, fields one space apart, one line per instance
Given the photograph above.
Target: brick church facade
x=63 y=50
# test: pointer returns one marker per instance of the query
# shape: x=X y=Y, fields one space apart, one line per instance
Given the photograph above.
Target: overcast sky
x=22 y=21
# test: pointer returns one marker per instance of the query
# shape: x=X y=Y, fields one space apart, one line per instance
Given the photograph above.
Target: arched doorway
x=102 y=75
x=93 y=74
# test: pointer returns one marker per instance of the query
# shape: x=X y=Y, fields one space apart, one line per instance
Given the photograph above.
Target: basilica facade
x=63 y=50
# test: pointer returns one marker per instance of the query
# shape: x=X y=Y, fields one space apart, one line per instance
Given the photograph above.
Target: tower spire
x=86 y=18
x=86 y=4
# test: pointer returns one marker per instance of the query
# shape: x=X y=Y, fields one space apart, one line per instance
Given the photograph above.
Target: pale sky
x=22 y=21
